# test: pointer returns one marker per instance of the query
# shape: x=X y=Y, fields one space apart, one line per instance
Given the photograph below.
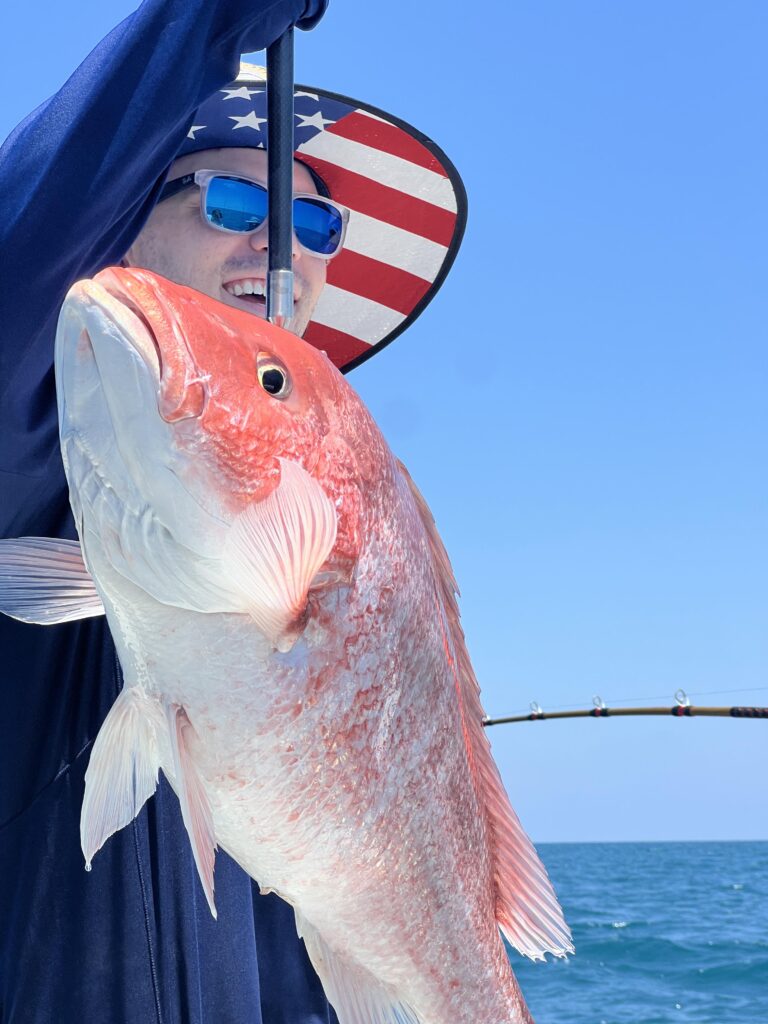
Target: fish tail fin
x=44 y=580
x=356 y=996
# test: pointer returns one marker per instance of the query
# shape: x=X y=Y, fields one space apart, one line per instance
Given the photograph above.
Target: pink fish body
x=286 y=619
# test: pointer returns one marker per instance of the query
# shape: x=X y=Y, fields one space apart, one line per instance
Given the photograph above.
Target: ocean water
x=665 y=933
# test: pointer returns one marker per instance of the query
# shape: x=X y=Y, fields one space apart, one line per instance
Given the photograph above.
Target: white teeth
x=248 y=286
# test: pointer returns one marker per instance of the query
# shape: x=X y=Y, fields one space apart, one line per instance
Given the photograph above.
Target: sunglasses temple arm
x=280 y=179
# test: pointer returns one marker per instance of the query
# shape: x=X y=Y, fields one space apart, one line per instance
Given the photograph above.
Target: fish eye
x=273 y=377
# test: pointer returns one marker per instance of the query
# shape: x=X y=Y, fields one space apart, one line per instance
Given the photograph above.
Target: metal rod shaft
x=677 y=711
x=280 y=179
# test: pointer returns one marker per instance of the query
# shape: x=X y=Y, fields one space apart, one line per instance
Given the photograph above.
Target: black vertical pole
x=280 y=178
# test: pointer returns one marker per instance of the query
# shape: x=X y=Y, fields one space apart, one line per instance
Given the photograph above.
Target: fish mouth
x=106 y=293
x=113 y=378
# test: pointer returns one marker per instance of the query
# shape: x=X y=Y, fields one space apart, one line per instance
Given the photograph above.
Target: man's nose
x=260 y=241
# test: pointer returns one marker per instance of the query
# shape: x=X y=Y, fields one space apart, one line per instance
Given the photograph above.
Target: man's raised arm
x=79 y=175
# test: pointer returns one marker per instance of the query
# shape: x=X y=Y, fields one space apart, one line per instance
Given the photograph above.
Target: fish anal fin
x=275 y=550
x=355 y=994
x=527 y=909
x=44 y=580
x=122 y=771
x=195 y=807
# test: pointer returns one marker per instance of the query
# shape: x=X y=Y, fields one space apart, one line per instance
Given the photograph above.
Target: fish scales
x=286 y=619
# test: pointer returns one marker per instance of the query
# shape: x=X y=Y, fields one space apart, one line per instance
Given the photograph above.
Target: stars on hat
x=314 y=115
x=315 y=120
x=249 y=120
x=243 y=93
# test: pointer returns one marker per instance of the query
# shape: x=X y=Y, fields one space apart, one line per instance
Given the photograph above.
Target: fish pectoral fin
x=122 y=771
x=44 y=580
x=356 y=995
x=276 y=548
x=195 y=807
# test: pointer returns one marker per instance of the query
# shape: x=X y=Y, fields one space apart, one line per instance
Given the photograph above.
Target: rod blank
x=280 y=179
x=677 y=711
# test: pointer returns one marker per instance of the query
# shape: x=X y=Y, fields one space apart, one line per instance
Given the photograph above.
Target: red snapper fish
x=286 y=620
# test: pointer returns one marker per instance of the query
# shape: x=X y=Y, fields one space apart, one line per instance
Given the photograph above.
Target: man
x=85 y=183
x=228 y=265
x=378 y=216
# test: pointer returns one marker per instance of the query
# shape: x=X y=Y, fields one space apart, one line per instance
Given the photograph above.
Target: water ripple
x=665 y=933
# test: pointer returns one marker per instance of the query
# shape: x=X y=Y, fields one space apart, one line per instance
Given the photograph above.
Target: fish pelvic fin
x=527 y=909
x=44 y=580
x=356 y=995
x=276 y=548
x=195 y=807
x=122 y=771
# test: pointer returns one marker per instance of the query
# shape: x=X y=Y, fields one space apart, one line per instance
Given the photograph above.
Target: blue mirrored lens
x=235 y=205
x=317 y=225
x=238 y=205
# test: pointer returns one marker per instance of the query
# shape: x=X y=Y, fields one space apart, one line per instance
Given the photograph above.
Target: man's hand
x=315 y=10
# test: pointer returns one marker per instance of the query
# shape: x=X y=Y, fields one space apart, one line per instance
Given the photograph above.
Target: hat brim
x=407 y=202
x=408 y=212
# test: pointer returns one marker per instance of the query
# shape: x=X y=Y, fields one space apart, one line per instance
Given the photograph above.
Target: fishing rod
x=682 y=708
x=280 y=179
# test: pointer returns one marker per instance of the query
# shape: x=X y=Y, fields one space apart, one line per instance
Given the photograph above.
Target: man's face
x=176 y=243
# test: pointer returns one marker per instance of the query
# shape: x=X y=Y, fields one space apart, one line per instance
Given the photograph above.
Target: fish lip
x=107 y=294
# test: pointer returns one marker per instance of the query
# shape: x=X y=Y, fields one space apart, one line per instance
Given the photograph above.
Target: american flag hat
x=407 y=203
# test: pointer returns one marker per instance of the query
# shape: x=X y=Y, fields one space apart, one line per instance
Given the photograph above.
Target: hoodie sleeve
x=80 y=175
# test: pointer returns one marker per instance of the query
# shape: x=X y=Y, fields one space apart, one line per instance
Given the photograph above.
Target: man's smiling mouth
x=247 y=286
x=251 y=290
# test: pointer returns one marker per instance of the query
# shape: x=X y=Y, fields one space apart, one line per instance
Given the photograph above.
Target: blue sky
x=584 y=403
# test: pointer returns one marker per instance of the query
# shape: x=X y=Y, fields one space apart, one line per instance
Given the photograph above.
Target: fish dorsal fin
x=44 y=580
x=275 y=549
x=195 y=808
x=122 y=770
x=527 y=909
x=355 y=994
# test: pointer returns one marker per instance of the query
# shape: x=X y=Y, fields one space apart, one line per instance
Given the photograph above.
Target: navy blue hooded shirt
x=133 y=942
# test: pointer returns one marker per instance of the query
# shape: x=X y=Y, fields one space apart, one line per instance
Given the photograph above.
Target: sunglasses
x=240 y=206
